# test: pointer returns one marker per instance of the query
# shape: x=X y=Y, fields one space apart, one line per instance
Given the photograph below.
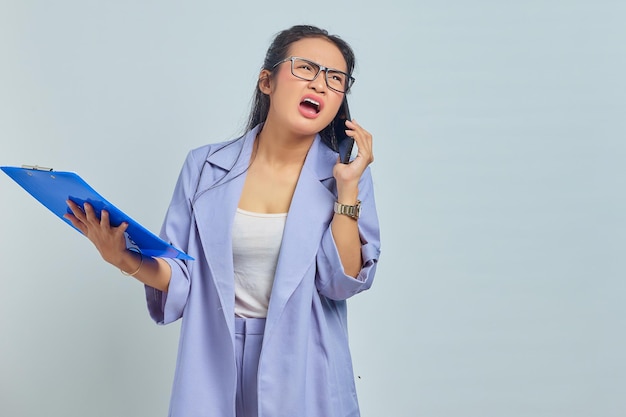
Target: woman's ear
x=265 y=82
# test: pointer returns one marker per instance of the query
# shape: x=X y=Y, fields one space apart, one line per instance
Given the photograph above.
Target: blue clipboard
x=52 y=189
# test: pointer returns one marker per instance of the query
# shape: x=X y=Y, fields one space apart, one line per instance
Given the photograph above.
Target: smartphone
x=344 y=142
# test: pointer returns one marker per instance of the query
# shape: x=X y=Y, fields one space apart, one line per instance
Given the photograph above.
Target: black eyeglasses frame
x=349 y=77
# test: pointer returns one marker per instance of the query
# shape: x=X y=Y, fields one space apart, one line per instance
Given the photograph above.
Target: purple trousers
x=248 y=341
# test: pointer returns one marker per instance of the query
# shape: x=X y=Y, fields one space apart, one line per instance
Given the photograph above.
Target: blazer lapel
x=309 y=215
x=214 y=207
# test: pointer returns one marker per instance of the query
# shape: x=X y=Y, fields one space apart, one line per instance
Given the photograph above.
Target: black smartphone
x=344 y=142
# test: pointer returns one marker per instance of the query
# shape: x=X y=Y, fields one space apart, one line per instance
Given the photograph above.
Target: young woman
x=263 y=305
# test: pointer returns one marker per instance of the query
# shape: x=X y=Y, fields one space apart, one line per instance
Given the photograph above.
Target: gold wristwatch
x=350 y=211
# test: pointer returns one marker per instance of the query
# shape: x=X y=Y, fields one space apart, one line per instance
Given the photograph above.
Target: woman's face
x=306 y=107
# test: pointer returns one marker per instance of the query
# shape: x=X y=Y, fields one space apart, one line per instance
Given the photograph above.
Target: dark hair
x=279 y=50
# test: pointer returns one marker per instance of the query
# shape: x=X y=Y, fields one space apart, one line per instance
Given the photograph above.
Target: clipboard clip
x=36 y=168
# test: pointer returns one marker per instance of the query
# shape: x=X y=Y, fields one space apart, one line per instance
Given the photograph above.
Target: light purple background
x=500 y=143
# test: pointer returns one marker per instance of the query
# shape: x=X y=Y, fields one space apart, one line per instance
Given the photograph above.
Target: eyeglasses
x=309 y=70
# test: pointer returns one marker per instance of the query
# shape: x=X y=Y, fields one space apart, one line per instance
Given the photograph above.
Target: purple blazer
x=305 y=366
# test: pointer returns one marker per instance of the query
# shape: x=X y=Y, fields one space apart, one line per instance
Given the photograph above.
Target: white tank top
x=256 y=245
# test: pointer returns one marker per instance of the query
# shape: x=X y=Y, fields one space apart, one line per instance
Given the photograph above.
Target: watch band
x=351 y=211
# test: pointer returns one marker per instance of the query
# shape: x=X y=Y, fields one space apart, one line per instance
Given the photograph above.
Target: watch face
x=357 y=210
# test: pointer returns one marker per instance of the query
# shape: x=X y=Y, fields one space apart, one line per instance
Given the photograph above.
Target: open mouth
x=311 y=104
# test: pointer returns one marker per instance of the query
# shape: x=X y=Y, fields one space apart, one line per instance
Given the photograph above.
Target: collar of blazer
x=309 y=215
x=234 y=156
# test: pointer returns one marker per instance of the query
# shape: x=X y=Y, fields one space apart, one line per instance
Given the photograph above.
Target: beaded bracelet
x=140 y=263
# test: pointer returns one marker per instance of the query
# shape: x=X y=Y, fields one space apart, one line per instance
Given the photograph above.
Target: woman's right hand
x=109 y=240
x=111 y=243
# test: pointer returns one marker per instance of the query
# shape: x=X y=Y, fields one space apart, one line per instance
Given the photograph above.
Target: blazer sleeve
x=167 y=307
x=331 y=280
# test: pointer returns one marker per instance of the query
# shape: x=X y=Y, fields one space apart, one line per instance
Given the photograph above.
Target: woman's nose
x=319 y=83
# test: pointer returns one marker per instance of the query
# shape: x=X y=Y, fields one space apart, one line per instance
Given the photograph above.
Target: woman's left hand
x=348 y=175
